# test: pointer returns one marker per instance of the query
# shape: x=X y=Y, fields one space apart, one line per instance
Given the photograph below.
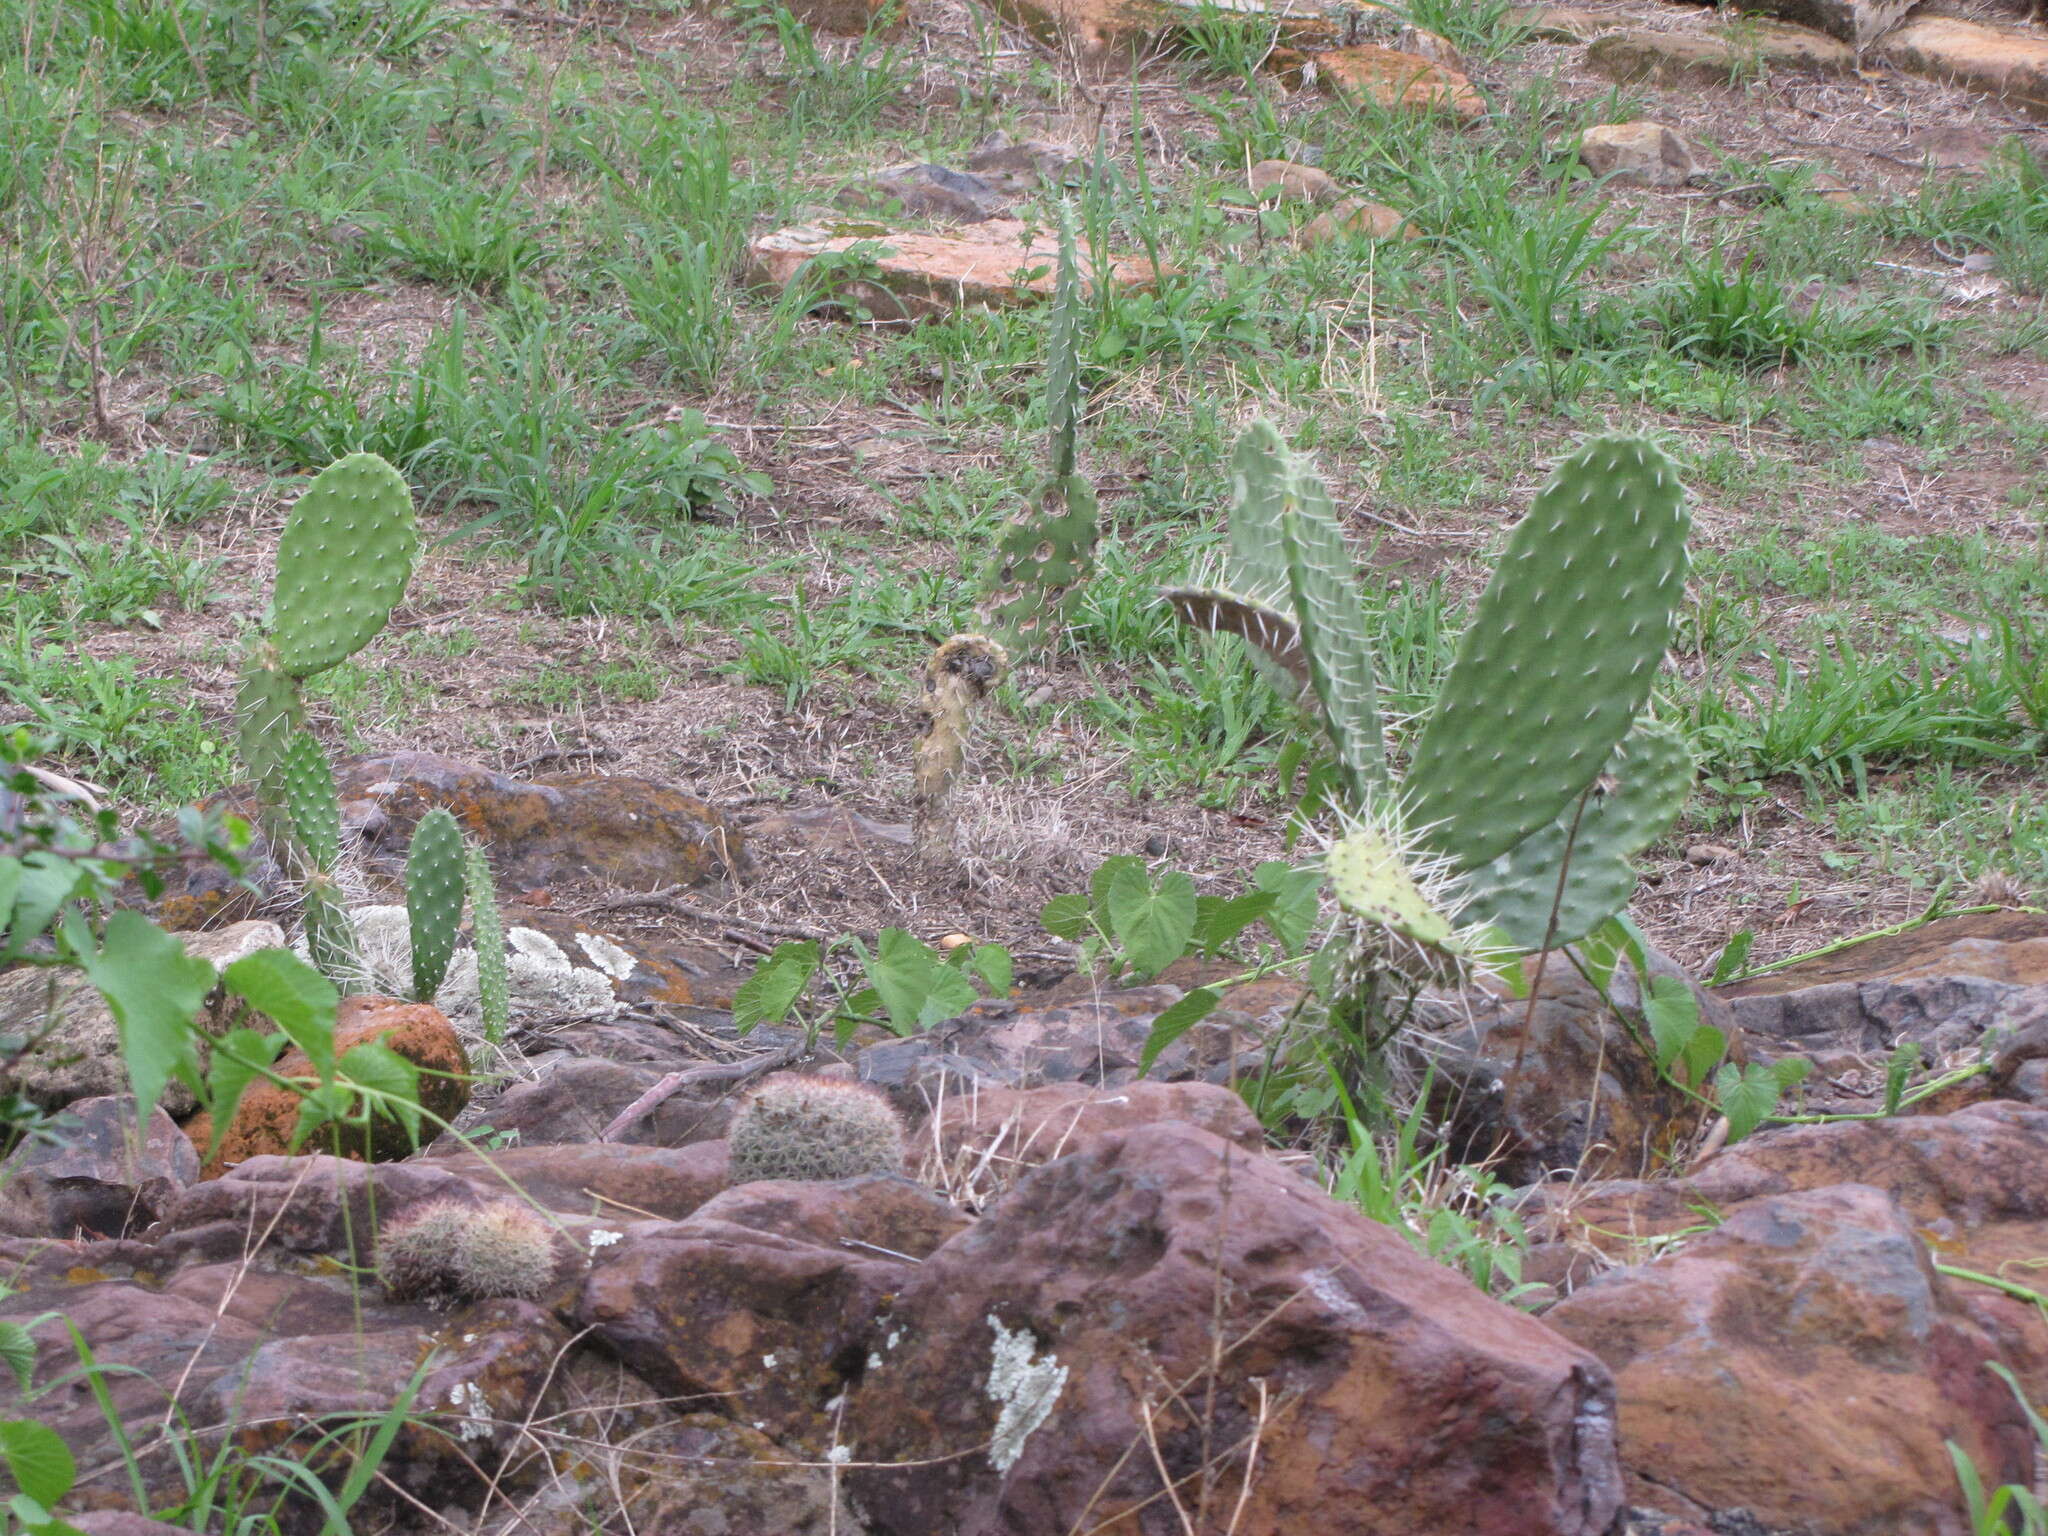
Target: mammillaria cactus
x=797 y=1127
x=449 y=1251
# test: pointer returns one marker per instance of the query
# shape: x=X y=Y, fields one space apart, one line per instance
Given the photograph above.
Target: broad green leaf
x=17 y=1353
x=1791 y=1071
x=778 y=981
x=302 y=1002
x=234 y=1065
x=1746 y=1095
x=1703 y=1052
x=1227 y=919
x=1175 y=1022
x=1903 y=1062
x=1109 y=874
x=38 y=1460
x=1065 y=917
x=374 y=1065
x=1736 y=951
x=993 y=963
x=1153 y=923
x=317 y=1107
x=1296 y=901
x=154 y=991
x=917 y=988
x=1673 y=1014
x=44 y=884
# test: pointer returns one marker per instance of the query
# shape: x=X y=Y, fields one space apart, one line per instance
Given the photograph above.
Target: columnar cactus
x=487 y=929
x=1532 y=780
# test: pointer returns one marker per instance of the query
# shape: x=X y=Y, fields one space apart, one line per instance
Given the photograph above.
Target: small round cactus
x=796 y=1127
x=415 y=1254
x=448 y=1251
x=504 y=1250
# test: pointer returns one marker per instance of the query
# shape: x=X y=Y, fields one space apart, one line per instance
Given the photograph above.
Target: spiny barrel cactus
x=449 y=1251
x=1531 y=779
x=798 y=1127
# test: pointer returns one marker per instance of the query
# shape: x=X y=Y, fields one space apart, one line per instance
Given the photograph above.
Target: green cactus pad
x=1045 y=554
x=312 y=806
x=493 y=983
x=1560 y=655
x=343 y=563
x=436 y=884
x=268 y=714
x=330 y=935
x=1372 y=884
x=1327 y=607
x=1637 y=801
x=1255 y=559
x=1063 y=352
x=1268 y=631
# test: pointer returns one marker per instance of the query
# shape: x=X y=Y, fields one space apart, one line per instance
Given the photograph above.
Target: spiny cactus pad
x=1255 y=560
x=796 y=1127
x=1268 y=631
x=1063 y=352
x=312 y=805
x=436 y=883
x=1372 y=883
x=493 y=976
x=1327 y=606
x=268 y=714
x=330 y=936
x=1641 y=793
x=1560 y=654
x=343 y=563
x=1044 y=556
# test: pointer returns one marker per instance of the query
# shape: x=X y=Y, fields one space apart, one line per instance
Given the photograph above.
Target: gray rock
x=101 y=1175
x=927 y=192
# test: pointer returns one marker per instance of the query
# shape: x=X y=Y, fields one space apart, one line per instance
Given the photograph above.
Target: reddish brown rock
x=880 y=1211
x=998 y=264
x=574 y=1100
x=267 y=1115
x=100 y=1175
x=764 y=1324
x=1805 y=1362
x=315 y=1206
x=1010 y=1391
x=625 y=831
x=1561 y=23
x=1100 y=30
x=1391 y=78
x=2011 y=66
x=601 y=1180
x=1563 y=1084
x=707 y=1476
x=1858 y=23
x=1025 y=1127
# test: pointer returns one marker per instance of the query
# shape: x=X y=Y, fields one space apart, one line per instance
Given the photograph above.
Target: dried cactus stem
x=960 y=674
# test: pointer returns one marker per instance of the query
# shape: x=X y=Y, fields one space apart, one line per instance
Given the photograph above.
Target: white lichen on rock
x=606 y=956
x=1026 y=1387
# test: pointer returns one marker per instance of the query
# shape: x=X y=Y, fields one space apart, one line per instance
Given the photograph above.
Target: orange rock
x=267 y=1114
x=914 y=276
x=1724 y=57
x=1288 y=181
x=1358 y=219
x=1396 y=79
x=2012 y=66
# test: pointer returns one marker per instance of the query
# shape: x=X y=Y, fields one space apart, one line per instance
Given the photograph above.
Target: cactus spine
x=342 y=565
x=1532 y=778
x=798 y=1127
x=493 y=979
x=436 y=882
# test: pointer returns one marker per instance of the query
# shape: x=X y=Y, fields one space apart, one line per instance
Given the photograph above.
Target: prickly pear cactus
x=1635 y=801
x=268 y=715
x=1560 y=654
x=343 y=563
x=312 y=806
x=487 y=930
x=1372 y=882
x=1047 y=551
x=330 y=936
x=436 y=883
